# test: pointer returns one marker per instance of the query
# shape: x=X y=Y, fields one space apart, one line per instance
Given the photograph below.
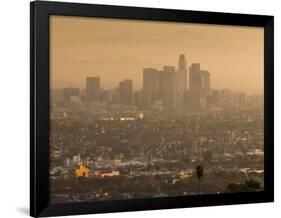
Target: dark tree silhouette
x=199 y=174
x=235 y=187
x=253 y=184
x=248 y=185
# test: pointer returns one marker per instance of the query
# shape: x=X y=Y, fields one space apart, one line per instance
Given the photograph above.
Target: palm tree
x=199 y=174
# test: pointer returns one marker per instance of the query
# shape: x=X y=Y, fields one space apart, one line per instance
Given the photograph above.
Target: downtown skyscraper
x=126 y=92
x=168 y=84
x=181 y=82
x=199 y=87
x=92 y=88
x=150 y=85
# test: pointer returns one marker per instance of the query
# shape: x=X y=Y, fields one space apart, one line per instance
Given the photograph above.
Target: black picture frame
x=39 y=107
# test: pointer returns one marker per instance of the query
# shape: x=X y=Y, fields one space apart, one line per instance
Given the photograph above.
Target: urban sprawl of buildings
x=123 y=143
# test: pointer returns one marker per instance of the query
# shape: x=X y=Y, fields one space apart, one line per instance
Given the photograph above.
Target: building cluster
x=170 y=86
x=166 y=89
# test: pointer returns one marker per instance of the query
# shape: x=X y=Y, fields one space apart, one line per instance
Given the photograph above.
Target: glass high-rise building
x=205 y=82
x=199 y=87
x=92 y=88
x=151 y=84
x=181 y=81
x=168 y=80
x=126 y=91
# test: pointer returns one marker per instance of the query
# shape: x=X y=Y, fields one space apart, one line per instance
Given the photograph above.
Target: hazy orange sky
x=116 y=49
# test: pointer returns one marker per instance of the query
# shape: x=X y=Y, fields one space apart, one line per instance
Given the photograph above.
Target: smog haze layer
x=115 y=49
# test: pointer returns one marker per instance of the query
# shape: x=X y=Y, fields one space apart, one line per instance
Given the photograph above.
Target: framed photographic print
x=142 y=109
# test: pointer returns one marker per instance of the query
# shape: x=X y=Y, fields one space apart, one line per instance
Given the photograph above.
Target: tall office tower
x=194 y=86
x=168 y=80
x=183 y=70
x=150 y=84
x=181 y=82
x=70 y=92
x=161 y=84
x=205 y=82
x=126 y=91
x=92 y=88
x=205 y=89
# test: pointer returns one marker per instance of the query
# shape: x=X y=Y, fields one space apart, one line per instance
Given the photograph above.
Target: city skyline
x=117 y=82
x=165 y=89
x=230 y=53
x=154 y=109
